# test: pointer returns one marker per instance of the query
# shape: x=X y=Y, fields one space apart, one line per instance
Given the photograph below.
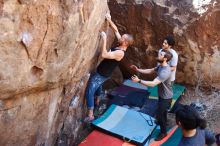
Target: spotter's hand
x=135 y=78
x=134 y=67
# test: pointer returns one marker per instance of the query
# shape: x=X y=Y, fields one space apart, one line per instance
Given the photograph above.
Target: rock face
x=194 y=25
x=47 y=47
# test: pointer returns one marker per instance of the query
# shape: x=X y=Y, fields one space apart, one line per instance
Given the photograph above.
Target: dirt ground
x=209 y=100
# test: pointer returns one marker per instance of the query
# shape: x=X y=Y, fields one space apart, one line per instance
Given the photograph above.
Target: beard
x=120 y=41
x=159 y=60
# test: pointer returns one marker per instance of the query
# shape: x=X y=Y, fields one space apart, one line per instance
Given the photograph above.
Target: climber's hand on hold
x=103 y=35
x=108 y=16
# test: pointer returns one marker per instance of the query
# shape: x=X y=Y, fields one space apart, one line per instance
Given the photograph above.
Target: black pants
x=161 y=115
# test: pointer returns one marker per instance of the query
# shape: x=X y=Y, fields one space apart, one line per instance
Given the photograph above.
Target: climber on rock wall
x=106 y=67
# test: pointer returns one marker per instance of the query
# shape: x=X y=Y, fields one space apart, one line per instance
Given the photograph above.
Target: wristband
x=139 y=81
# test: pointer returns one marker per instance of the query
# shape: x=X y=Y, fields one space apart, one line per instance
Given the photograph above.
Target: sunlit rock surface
x=47 y=48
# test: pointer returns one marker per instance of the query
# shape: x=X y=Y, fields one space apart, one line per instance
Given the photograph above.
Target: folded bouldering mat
x=178 y=90
x=172 y=139
x=129 y=125
x=98 y=138
x=125 y=95
x=149 y=107
x=130 y=83
x=124 y=90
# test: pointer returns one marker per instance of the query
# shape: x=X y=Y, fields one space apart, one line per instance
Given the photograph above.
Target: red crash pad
x=97 y=138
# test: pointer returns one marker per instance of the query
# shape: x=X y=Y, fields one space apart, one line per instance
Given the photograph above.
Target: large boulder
x=47 y=48
x=194 y=25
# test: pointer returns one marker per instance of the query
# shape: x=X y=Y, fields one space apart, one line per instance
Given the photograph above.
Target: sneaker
x=160 y=136
x=88 y=119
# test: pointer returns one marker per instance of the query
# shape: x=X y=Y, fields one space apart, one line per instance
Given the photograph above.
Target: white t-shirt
x=172 y=62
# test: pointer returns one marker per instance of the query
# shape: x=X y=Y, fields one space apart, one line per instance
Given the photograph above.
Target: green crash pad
x=177 y=90
x=174 y=135
x=174 y=139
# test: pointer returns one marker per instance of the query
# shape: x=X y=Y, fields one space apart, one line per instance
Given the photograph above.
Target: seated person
x=193 y=128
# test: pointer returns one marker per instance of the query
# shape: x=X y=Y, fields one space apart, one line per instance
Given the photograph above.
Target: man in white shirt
x=168 y=45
